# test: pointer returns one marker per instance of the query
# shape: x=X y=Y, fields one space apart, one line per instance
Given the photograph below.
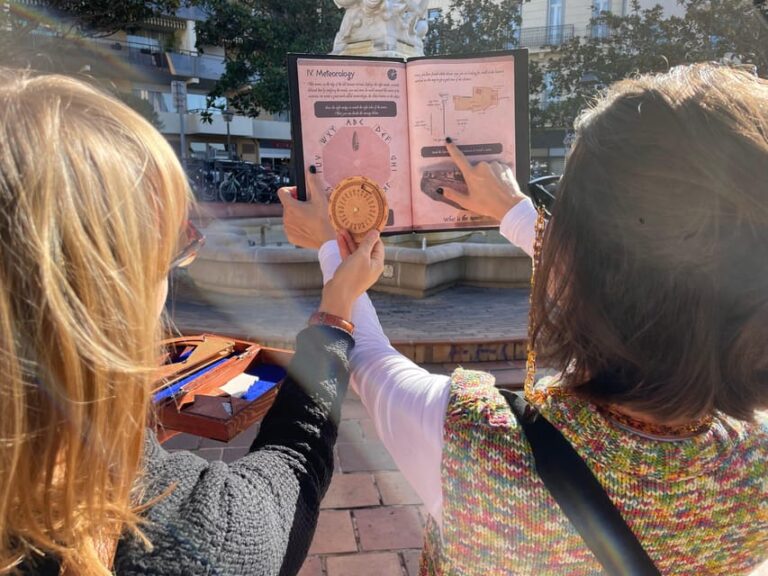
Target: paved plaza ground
x=459 y=313
x=462 y=325
x=371 y=520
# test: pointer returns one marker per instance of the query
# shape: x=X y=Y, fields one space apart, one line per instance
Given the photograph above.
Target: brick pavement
x=371 y=520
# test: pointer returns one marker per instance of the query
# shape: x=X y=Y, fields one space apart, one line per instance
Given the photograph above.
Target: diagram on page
x=473 y=103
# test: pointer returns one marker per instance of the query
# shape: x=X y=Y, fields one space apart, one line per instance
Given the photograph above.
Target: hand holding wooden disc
x=359 y=205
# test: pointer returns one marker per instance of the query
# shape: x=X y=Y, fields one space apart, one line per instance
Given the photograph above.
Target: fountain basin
x=419 y=273
x=251 y=270
x=254 y=258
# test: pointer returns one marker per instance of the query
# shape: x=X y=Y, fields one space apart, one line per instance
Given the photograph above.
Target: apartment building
x=547 y=23
x=146 y=63
x=170 y=55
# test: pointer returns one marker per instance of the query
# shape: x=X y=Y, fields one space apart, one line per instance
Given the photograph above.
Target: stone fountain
x=253 y=257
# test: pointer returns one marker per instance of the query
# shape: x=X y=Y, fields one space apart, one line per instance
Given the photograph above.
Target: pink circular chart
x=356 y=151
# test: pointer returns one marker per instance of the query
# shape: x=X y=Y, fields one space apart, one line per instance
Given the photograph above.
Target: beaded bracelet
x=332 y=320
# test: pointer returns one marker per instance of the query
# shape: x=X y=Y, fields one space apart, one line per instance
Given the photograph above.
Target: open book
x=387 y=119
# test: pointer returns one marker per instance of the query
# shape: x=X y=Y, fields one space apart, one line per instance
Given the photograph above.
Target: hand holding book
x=306 y=222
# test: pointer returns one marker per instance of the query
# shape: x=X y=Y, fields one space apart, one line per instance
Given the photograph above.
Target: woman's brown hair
x=92 y=202
x=652 y=289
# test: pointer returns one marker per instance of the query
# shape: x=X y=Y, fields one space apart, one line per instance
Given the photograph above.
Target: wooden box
x=194 y=381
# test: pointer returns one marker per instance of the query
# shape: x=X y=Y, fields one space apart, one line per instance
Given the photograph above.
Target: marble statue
x=382 y=28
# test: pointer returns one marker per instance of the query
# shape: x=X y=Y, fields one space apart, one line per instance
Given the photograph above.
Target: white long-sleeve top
x=406 y=403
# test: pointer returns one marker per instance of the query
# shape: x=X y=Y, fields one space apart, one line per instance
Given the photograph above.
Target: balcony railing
x=554 y=36
x=174 y=62
x=175 y=20
x=542 y=36
x=177 y=62
x=196 y=65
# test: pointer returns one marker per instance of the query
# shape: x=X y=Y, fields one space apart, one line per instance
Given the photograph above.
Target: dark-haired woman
x=651 y=298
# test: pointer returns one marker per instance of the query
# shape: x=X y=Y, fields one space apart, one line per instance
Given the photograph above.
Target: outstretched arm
x=406 y=403
x=257 y=515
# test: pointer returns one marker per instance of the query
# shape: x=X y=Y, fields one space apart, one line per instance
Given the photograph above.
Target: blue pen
x=172 y=390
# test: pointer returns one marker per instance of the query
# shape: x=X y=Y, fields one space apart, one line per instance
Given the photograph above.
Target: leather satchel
x=580 y=495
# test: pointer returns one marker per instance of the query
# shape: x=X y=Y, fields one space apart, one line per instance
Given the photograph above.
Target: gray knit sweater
x=257 y=515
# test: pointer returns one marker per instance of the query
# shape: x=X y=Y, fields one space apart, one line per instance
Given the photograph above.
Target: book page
x=472 y=100
x=354 y=122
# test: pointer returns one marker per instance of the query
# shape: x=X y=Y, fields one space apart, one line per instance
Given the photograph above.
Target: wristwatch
x=332 y=320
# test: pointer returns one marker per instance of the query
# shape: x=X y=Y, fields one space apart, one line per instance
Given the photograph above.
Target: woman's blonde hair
x=92 y=201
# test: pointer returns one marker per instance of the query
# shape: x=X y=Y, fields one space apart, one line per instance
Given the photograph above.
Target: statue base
x=380 y=33
x=397 y=49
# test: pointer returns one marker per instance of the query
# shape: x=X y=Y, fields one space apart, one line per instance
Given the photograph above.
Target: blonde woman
x=651 y=298
x=93 y=205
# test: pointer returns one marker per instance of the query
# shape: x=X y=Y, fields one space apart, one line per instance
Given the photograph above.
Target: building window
x=547 y=96
x=555 y=22
x=154 y=39
x=600 y=30
x=198 y=102
x=163 y=101
x=145 y=42
x=515 y=37
x=434 y=15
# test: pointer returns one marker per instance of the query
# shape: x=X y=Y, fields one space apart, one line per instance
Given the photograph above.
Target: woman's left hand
x=307 y=223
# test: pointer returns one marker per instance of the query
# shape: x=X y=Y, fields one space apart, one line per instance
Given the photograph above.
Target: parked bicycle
x=233 y=181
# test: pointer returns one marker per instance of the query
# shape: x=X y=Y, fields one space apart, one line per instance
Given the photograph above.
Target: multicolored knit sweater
x=698 y=505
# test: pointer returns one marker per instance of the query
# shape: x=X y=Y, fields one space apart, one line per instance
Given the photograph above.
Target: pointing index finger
x=458 y=157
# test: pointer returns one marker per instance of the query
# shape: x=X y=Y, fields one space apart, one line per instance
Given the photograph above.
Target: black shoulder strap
x=44 y=566
x=580 y=495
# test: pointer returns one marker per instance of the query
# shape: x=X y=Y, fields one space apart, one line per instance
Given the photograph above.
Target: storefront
x=275 y=154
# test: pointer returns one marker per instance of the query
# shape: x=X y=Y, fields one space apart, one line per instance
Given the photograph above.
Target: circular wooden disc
x=359 y=205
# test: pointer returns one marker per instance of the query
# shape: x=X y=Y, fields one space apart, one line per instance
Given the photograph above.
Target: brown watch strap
x=332 y=320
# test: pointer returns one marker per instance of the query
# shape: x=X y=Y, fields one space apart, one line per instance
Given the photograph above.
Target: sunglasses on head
x=192 y=241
